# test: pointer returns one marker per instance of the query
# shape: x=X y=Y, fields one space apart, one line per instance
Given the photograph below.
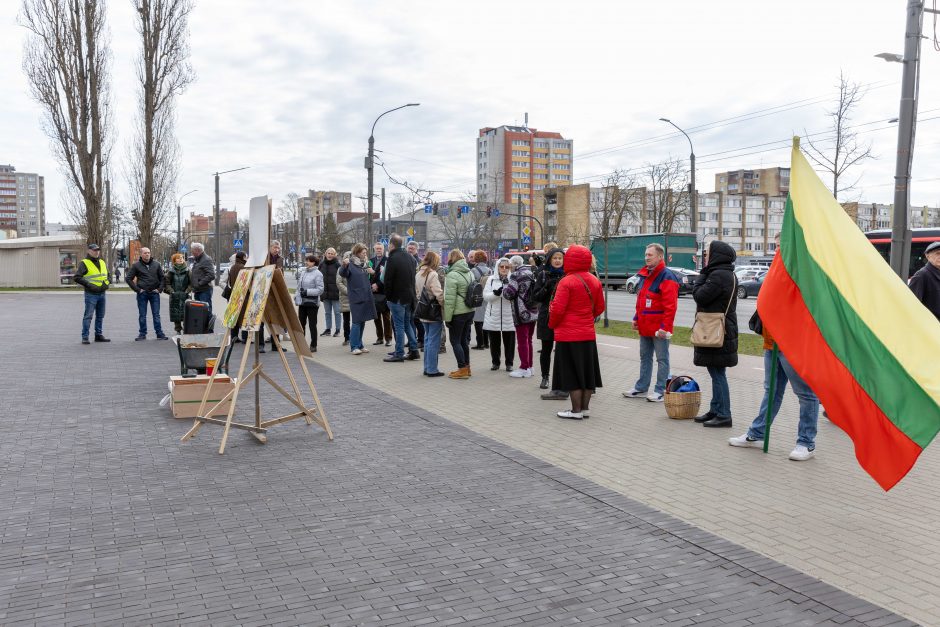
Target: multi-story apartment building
x=769 y=181
x=515 y=163
x=200 y=227
x=22 y=202
x=316 y=204
x=871 y=215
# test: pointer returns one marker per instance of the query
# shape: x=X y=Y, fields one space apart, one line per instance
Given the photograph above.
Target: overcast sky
x=291 y=89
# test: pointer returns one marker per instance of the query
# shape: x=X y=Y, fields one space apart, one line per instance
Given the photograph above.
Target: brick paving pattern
x=406 y=518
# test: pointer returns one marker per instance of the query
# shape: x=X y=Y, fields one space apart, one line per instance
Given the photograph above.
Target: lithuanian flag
x=853 y=330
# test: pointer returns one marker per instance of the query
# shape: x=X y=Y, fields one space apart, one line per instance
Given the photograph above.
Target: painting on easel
x=260 y=286
x=236 y=302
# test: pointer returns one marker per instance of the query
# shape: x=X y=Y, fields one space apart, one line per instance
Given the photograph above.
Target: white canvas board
x=259 y=220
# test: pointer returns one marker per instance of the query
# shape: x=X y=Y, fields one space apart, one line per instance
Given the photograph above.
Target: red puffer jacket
x=572 y=313
x=657 y=300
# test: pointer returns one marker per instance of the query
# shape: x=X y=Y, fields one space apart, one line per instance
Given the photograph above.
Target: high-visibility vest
x=93 y=275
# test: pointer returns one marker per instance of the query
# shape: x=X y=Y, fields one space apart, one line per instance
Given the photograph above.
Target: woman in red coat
x=578 y=301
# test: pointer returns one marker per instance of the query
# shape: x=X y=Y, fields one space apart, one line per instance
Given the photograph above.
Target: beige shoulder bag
x=708 y=330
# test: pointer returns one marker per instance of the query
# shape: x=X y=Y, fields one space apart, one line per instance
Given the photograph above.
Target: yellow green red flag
x=853 y=330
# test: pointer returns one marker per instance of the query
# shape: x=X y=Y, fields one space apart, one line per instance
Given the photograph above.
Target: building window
x=520 y=142
x=540 y=155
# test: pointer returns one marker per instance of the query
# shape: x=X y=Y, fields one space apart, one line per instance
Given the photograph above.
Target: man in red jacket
x=656 y=303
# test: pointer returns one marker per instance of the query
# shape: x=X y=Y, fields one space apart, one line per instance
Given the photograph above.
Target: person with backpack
x=525 y=313
x=547 y=277
x=497 y=321
x=480 y=270
x=457 y=313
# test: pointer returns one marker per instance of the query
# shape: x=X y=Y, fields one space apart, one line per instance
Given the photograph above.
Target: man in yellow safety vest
x=92 y=274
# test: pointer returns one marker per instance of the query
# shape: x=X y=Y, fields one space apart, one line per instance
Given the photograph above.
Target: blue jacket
x=359 y=290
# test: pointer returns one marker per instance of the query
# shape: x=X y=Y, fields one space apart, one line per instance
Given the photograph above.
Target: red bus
x=881 y=239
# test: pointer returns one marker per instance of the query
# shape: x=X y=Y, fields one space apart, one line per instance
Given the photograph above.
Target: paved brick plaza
x=406 y=518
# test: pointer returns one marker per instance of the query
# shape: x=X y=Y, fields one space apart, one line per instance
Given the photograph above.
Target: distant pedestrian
x=525 y=313
x=92 y=274
x=383 y=317
x=357 y=273
x=480 y=270
x=332 y=315
x=547 y=277
x=498 y=322
x=412 y=250
x=428 y=280
x=457 y=315
x=274 y=258
x=714 y=292
x=344 y=299
x=926 y=282
x=656 y=302
x=399 y=281
x=202 y=275
x=578 y=301
x=146 y=278
x=310 y=286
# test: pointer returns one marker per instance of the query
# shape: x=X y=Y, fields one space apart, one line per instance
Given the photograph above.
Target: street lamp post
x=179 y=239
x=693 y=196
x=218 y=229
x=370 y=164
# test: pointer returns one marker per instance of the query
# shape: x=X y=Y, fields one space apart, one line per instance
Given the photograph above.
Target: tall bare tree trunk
x=66 y=60
x=164 y=72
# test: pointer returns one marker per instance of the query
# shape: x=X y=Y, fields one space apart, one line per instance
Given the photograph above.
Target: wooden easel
x=279 y=316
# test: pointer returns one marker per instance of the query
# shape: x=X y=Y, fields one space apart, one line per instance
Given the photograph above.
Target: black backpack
x=473 y=297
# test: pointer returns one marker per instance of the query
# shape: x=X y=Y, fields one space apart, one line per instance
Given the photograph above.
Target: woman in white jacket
x=497 y=315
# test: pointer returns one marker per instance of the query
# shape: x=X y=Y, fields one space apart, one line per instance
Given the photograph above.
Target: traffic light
x=121 y=255
x=435 y=209
x=489 y=212
x=525 y=248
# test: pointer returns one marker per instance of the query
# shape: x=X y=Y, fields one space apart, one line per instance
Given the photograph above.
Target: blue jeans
x=205 y=297
x=809 y=404
x=332 y=314
x=649 y=345
x=721 y=395
x=94 y=304
x=355 y=335
x=403 y=323
x=153 y=299
x=432 y=339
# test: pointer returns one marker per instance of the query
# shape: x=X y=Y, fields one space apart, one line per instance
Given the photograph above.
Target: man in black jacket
x=383 y=319
x=399 y=283
x=202 y=275
x=330 y=299
x=146 y=278
x=92 y=274
x=926 y=282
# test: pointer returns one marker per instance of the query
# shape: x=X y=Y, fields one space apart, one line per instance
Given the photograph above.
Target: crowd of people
x=556 y=298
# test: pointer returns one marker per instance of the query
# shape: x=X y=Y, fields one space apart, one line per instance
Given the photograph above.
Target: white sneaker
x=364 y=350
x=518 y=373
x=634 y=393
x=357 y=352
x=527 y=373
x=801 y=453
x=654 y=397
x=570 y=415
x=745 y=442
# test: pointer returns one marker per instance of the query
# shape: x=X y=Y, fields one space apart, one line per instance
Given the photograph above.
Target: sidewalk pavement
x=824 y=517
x=406 y=518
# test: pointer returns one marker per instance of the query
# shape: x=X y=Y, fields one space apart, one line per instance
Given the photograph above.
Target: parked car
x=751 y=287
x=686 y=281
x=747 y=273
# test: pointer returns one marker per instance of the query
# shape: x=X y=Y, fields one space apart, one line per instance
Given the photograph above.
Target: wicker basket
x=681 y=405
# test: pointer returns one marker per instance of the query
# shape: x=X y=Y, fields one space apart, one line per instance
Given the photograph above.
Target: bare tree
x=667 y=192
x=617 y=206
x=164 y=72
x=66 y=60
x=842 y=149
x=469 y=230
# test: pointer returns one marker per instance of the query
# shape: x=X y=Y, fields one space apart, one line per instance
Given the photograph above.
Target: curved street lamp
x=179 y=240
x=370 y=161
x=693 y=196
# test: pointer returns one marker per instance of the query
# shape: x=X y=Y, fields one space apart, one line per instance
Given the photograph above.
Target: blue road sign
x=526 y=240
x=303 y=249
x=495 y=213
x=384 y=241
x=429 y=208
x=184 y=248
x=238 y=243
x=293 y=248
x=464 y=208
x=409 y=239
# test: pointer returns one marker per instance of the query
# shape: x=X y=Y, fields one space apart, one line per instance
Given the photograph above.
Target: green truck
x=624 y=255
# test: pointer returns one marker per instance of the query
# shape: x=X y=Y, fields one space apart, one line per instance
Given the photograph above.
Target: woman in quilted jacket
x=525 y=312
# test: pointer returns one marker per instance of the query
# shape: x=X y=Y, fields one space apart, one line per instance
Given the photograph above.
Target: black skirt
x=576 y=366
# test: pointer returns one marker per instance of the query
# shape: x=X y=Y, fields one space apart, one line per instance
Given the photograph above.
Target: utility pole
x=519 y=221
x=370 y=167
x=900 y=230
x=218 y=238
x=384 y=223
x=110 y=219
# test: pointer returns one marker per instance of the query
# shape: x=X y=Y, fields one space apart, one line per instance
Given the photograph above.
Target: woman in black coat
x=546 y=280
x=714 y=292
x=330 y=299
